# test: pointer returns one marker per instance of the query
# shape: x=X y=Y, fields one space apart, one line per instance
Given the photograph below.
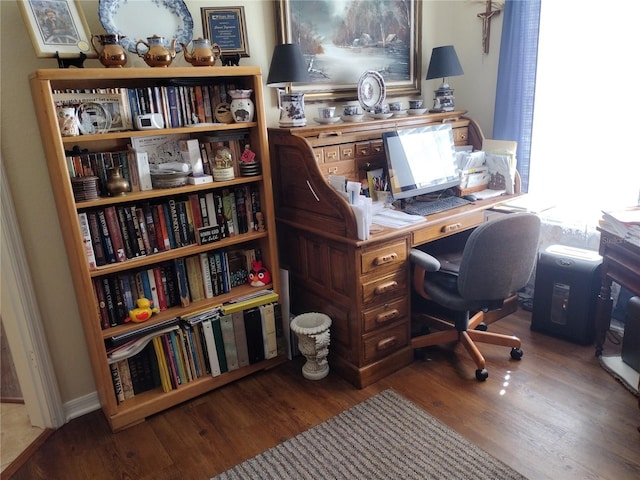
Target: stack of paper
x=624 y=223
x=500 y=158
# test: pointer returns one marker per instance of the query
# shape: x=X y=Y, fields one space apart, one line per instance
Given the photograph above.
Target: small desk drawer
x=347 y=151
x=385 y=343
x=385 y=288
x=387 y=255
x=447 y=226
x=461 y=136
x=331 y=153
x=345 y=167
x=385 y=314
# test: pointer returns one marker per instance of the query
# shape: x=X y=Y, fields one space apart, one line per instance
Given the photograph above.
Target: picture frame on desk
x=396 y=55
x=57 y=28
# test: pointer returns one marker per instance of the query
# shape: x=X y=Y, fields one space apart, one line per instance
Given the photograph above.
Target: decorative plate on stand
x=371 y=90
x=139 y=19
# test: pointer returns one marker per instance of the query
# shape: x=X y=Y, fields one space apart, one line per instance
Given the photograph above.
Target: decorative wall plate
x=139 y=19
x=93 y=118
x=371 y=90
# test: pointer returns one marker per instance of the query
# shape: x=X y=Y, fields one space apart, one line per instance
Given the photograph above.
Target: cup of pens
x=384 y=197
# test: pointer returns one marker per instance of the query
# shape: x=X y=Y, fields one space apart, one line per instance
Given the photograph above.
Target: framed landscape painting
x=57 y=28
x=342 y=40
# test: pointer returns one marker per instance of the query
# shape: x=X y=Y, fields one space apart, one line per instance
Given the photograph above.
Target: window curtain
x=515 y=89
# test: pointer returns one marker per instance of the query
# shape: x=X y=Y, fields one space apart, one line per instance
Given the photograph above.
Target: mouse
x=471 y=198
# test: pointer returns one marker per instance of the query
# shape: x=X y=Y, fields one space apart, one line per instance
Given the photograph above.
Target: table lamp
x=288 y=66
x=444 y=63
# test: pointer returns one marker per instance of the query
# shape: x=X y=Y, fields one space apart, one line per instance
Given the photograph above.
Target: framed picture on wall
x=342 y=40
x=226 y=27
x=57 y=28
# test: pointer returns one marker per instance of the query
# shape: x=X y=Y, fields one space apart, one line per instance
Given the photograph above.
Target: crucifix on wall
x=486 y=17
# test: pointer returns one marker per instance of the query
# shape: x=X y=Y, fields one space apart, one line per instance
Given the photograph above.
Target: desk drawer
x=385 y=314
x=385 y=288
x=345 y=167
x=461 y=136
x=385 y=343
x=385 y=256
x=447 y=226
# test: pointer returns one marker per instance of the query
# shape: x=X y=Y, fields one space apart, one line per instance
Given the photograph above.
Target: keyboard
x=439 y=205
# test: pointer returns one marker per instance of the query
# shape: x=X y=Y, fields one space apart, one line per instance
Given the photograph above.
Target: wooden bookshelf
x=43 y=85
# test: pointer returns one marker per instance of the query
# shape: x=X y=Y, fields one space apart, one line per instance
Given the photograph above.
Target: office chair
x=495 y=262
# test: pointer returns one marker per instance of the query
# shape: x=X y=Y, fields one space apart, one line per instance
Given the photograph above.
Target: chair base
x=448 y=334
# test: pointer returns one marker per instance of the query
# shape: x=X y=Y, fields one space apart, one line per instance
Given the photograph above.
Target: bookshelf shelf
x=131 y=270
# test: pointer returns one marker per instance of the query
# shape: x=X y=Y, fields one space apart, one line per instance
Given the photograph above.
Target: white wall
x=444 y=22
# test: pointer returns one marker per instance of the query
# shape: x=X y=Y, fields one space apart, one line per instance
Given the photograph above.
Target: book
x=237 y=267
x=126 y=230
x=117 y=383
x=268 y=318
x=241 y=338
x=125 y=379
x=253 y=332
x=87 y=240
x=229 y=341
x=102 y=306
x=183 y=285
x=162 y=365
x=106 y=237
x=96 y=239
x=115 y=234
x=259 y=298
x=194 y=278
x=217 y=335
x=206 y=275
x=212 y=353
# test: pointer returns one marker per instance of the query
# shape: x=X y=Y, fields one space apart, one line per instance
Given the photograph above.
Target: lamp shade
x=287 y=65
x=444 y=63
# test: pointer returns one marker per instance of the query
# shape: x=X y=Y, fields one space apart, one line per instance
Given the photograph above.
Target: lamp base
x=444 y=101
x=292 y=110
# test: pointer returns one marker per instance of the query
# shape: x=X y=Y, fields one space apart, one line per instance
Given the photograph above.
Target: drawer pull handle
x=347 y=151
x=390 y=257
x=331 y=155
x=451 y=228
x=387 y=343
x=387 y=316
x=386 y=287
x=333 y=170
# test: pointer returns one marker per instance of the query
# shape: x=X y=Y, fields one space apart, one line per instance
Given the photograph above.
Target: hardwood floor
x=556 y=414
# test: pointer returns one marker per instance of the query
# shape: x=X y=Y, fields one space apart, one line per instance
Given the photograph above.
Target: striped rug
x=385 y=437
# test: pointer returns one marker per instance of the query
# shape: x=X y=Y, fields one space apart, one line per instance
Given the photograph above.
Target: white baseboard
x=81 y=406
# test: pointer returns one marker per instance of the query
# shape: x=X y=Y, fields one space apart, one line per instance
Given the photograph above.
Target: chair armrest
x=424 y=260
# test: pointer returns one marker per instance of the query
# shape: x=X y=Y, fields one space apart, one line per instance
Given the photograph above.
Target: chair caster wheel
x=516 y=353
x=482 y=374
x=482 y=327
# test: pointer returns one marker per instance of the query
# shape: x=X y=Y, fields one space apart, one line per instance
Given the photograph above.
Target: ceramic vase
x=312 y=330
x=116 y=183
x=242 y=107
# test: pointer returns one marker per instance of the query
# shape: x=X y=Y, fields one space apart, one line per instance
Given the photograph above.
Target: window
x=585 y=137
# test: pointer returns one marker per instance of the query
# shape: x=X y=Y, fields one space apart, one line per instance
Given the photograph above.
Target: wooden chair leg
x=475 y=354
x=435 y=338
x=494 y=338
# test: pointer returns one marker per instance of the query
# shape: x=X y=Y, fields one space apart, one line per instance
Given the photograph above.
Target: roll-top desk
x=364 y=286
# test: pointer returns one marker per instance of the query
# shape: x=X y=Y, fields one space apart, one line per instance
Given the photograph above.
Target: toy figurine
x=258 y=275
x=143 y=312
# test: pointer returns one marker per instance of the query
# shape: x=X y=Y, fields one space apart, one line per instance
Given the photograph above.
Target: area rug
x=621 y=372
x=384 y=437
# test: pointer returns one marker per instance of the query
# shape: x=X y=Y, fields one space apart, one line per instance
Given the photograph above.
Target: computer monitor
x=420 y=160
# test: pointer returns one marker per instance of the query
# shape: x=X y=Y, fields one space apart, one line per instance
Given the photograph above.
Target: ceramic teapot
x=204 y=54
x=111 y=54
x=157 y=55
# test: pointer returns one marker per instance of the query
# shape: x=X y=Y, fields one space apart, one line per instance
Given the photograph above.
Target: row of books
x=205 y=343
x=173 y=283
x=179 y=105
x=125 y=231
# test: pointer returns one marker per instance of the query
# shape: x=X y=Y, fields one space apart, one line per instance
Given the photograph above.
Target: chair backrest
x=499 y=257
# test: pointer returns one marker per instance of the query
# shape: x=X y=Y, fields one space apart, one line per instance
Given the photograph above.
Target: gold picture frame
x=57 y=28
x=226 y=27
x=339 y=50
